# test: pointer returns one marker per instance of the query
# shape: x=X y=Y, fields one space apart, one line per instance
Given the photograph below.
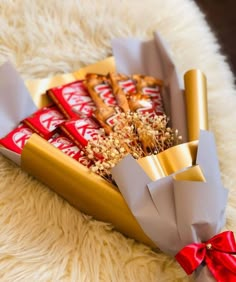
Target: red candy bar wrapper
x=45 y=121
x=73 y=99
x=17 y=138
x=81 y=130
x=100 y=90
x=99 y=87
x=122 y=86
x=64 y=144
x=148 y=96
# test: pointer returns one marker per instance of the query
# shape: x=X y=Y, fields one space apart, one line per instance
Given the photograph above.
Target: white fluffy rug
x=42 y=237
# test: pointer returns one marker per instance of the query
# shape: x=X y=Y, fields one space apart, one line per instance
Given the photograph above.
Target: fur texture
x=42 y=237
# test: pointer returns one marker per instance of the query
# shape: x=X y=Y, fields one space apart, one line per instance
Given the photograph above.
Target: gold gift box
x=89 y=192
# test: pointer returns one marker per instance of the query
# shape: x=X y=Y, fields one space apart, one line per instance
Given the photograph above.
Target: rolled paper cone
x=196 y=102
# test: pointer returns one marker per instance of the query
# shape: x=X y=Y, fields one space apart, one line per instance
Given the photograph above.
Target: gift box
x=90 y=193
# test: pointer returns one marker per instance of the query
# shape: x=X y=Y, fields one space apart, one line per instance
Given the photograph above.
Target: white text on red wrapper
x=78 y=99
x=21 y=137
x=87 y=130
x=127 y=86
x=66 y=147
x=50 y=120
x=105 y=92
x=155 y=94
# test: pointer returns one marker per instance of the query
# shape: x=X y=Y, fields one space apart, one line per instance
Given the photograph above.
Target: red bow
x=217 y=253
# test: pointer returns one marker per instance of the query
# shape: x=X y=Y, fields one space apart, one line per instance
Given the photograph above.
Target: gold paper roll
x=196 y=103
x=83 y=189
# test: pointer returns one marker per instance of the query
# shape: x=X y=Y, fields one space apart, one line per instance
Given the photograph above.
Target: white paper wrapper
x=15 y=101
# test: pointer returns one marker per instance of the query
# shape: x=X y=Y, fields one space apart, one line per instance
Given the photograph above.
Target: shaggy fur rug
x=42 y=237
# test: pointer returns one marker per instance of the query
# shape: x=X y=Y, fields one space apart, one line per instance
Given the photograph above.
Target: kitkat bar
x=73 y=99
x=122 y=86
x=148 y=95
x=64 y=144
x=17 y=138
x=45 y=121
x=107 y=118
x=100 y=90
x=81 y=130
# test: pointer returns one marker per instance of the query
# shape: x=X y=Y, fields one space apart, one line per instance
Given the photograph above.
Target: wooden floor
x=221 y=16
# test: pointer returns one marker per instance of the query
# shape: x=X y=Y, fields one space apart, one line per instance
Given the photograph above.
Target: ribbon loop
x=197 y=254
x=224 y=242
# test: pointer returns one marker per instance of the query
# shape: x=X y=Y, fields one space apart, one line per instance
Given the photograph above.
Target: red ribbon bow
x=217 y=253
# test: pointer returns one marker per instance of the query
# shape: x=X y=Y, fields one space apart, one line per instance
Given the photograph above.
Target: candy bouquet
x=122 y=142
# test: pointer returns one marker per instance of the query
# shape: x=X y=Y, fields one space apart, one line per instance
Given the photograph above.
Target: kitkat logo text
x=128 y=86
x=51 y=120
x=78 y=99
x=105 y=92
x=87 y=129
x=21 y=137
x=66 y=146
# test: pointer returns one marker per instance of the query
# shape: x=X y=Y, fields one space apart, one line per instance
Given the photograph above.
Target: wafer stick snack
x=100 y=90
x=147 y=97
x=102 y=94
x=122 y=86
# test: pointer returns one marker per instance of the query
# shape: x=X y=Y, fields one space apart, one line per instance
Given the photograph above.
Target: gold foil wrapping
x=89 y=192
x=170 y=161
